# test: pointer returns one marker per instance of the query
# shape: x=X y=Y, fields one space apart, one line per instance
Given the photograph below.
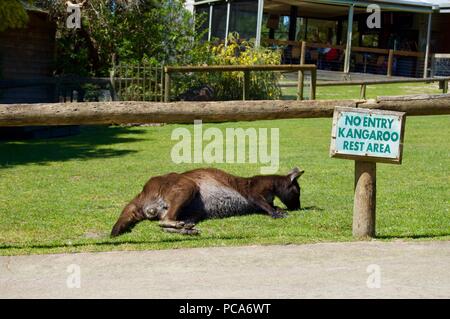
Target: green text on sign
x=367 y=133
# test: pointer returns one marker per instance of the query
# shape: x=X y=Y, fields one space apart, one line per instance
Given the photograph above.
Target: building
x=28 y=55
x=336 y=33
x=27 y=62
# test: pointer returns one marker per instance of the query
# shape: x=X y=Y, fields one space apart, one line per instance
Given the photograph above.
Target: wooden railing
x=443 y=81
x=102 y=113
x=389 y=52
x=168 y=70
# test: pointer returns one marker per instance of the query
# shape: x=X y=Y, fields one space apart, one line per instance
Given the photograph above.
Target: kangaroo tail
x=127 y=220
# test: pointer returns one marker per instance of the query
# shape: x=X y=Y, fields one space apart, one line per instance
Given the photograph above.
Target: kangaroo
x=179 y=201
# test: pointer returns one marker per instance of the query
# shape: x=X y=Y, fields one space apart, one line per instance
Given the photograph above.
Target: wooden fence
x=443 y=81
x=168 y=70
x=390 y=53
x=138 y=82
x=187 y=112
x=129 y=82
x=86 y=113
x=63 y=87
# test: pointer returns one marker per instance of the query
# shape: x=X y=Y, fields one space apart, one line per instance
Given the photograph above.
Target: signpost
x=366 y=136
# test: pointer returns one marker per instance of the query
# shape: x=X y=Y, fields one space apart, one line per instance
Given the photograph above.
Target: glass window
x=219 y=20
x=202 y=20
x=243 y=18
x=318 y=31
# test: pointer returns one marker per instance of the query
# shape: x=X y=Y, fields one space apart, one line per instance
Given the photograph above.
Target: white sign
x=372 y=134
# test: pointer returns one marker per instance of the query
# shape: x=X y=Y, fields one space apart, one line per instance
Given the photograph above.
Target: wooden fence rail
x=364 y=83
x=168 y=70
x=95 y=113
x=390 y=53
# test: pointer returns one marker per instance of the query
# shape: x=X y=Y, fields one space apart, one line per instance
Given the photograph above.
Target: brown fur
x=180 y=200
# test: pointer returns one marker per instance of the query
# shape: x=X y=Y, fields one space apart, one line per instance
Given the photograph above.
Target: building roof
x=435 y=4
x=442 y=6
x=33 y=8
x=407 y=5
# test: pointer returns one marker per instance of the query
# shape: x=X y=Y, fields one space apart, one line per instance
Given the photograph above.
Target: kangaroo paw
x=279 y=213
x=172 y=224
x=189 y=225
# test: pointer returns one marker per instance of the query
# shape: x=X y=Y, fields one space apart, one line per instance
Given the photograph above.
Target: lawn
x=64 y=195
x=372 y=91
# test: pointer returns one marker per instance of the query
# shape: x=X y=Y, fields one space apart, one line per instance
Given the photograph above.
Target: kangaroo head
x=289 y=190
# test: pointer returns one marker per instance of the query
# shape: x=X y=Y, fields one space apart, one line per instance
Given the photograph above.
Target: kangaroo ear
x=295 y=173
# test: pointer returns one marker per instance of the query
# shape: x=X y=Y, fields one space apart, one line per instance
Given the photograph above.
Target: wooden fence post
x=302 y=52
x=300 y=81
x=246 y=85
x=362 y=91
x=445 y=87
x=112 y=75
x=390 y=62
x=120 y=81
x=365 y=199
x=312 y=95
x=162 y=82
x=166 y=85
x=301 y=74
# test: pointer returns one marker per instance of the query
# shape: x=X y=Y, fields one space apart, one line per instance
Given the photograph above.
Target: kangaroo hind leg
x=180 y=194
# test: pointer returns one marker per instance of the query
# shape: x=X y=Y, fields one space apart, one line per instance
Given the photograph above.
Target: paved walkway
x=329 y=270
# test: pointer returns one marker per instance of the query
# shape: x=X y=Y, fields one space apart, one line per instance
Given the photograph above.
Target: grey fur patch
x=216 y=201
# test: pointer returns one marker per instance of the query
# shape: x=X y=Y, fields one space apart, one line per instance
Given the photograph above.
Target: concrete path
x=329 y=270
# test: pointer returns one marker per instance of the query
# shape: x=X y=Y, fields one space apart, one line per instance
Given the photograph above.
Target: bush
x=12 y=15
x=229 y=85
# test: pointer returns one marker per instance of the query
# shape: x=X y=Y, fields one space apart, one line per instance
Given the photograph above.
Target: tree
x=127 y=30
x=12 y=14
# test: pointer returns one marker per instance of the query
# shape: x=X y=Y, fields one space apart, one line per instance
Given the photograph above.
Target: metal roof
x=406 y=5
x=435 y=4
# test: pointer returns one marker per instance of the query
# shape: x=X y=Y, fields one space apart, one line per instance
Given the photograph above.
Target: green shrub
x=229 y=85
x=12 y=15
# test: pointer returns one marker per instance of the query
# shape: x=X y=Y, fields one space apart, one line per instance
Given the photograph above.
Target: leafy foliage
x=12 y=14
x=155 y=33
x=229 y=85
x=122 y=31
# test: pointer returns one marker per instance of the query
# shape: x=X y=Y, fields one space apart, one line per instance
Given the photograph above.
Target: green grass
x=372 y=91
x=64 y=195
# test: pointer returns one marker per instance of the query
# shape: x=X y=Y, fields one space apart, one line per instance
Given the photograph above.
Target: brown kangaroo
x=178 y=201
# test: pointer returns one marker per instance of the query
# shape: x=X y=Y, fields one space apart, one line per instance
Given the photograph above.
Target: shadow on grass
x=412 y=236
x=87 y=145
x=175 y=239
x=308 y=208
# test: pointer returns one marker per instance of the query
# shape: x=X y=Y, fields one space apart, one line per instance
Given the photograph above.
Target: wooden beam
x=292 y=23
x=91 y=113
x=231 y=68
x=342 y=47
x=101 y=113
x=302 y=52
x=427 y=49
x=421 y=104
x=362 y=91
x=368 y=82
x=390 y=62
x=348 y=47
x=246 y=86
